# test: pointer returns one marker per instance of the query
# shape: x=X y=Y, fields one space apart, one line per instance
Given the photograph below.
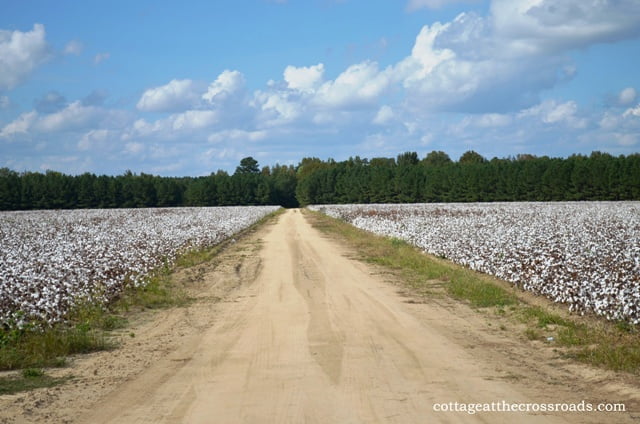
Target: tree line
x=249 y=185
x=406 y=178
x=436 y=178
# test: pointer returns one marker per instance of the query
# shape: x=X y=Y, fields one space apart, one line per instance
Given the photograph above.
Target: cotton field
x=51 y=260
x=583 y=254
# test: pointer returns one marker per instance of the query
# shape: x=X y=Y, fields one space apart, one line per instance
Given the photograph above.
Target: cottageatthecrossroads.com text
x=504 y=406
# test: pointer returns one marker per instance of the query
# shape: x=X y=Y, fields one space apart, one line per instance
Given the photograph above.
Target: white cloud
x=304 y=78
x=551 y=112
x=74 y=116
x=20 y=53
x=559 y=112
x=632 y=112
x=627 y=96
x=21 y=125
x=424 y=56
x=359 y=85
x=173 y=126
x=226 y=85
x=492 y=120
x=474 y=64
x=509 y=56
x=278 y=107
x=101 y=57
x=549 y=26
x=73 y=47
x=94 y=138
x=194 y=119
x=302 y=99
x=4 y=102
x=225 y=94
x=384 y=115
x=174 y=96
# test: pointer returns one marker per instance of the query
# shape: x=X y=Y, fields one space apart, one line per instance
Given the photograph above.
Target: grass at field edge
x=591 y=340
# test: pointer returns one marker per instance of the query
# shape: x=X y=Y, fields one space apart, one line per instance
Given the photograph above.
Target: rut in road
x=317 y=338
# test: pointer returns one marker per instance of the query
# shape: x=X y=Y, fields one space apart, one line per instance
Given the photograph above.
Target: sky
x=187 y=88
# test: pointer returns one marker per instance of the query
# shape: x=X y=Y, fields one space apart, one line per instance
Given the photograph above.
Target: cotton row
x=51 y=260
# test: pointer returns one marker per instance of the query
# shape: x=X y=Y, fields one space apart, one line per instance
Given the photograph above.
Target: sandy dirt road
x=317 y=338
x=312 y=336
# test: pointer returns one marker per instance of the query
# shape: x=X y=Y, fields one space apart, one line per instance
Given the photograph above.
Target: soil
x=287 y=327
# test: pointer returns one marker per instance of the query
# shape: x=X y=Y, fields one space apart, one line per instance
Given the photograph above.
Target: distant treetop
x=248 y=165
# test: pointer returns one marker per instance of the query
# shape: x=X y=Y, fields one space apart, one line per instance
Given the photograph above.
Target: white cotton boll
x=67 y=255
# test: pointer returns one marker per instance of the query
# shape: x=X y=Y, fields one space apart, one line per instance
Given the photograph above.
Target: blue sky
x=187 y=88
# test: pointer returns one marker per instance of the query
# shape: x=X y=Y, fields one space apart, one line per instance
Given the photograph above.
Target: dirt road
x=317 y=337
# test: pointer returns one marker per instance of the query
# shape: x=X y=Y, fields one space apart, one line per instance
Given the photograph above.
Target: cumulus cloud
x=304 y=78
x=359 y=85
x=509 y=56
x=72 y=117
x=549 y=26
x=20 y=125
x=20 y=53
x=490 y=65
x=173 y=125
x=228 y=84
x=194 y=119
x=303 y=98
x=174 y=96
x=424 y=56
x=197 y=109
x=632 y=112
x=552 y=112
x=278 y=107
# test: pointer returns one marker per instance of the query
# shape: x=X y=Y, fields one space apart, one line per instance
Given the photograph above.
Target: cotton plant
x=54 y=260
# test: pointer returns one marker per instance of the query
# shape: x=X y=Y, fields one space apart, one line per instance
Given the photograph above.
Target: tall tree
x=407 y=159
x=436 y=158
x=248 y=165
x=471 y=157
